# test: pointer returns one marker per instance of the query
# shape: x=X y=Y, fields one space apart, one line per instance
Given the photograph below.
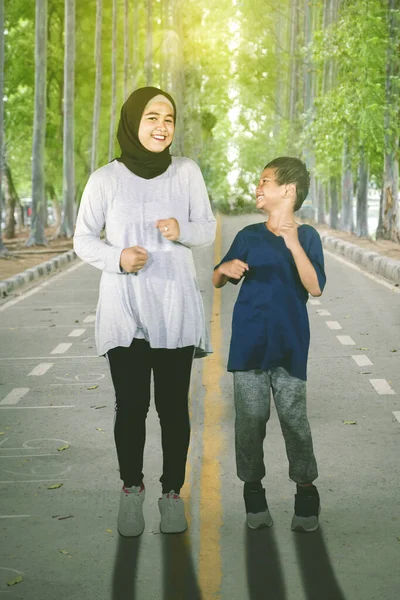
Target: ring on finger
x=165 y=228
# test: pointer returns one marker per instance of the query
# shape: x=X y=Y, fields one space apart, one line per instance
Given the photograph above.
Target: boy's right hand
x=234 y=269
x=133 y=259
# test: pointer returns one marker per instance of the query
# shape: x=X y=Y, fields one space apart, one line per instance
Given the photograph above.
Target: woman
x=150 y=314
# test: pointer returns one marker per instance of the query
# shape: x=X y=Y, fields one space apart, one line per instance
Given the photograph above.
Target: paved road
x=55 y=392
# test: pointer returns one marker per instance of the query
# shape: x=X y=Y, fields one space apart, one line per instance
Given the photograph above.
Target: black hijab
x=135 y=156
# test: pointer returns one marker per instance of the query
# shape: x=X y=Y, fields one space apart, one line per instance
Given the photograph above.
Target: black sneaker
x=306 y=509
x=257 y=511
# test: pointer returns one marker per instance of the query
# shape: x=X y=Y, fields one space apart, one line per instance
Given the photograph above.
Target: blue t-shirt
x=270 y=325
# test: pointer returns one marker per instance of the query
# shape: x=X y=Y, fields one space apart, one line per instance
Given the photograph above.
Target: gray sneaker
x=172 y=511
x=130 y=515
x=257 y=512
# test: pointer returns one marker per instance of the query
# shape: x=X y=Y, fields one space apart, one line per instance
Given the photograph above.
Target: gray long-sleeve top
x=162 y=303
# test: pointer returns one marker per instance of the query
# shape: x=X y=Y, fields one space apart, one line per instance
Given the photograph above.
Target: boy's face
x=269 y=194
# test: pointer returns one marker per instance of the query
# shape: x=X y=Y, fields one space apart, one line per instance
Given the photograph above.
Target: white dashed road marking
x=323 y=312
x=397 y=415
x=361 y=360
x=76 y=332
x=89 y=319
x=41 y=369
x=346 y=340
x=382 y=387
x=314 y=301
x=333 y=324
x=15 y=396
x=61 y=348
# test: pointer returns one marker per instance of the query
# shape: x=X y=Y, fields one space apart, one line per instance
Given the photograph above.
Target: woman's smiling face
x=157 y=126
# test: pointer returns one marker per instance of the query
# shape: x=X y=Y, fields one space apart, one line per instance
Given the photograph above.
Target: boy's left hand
x=290 y=235
x=169 y=228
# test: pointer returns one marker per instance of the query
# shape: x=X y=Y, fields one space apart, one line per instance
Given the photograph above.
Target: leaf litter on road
x=350 y=422
x=92 y=387
x=61 y=448
x=55 y=487
x=15 y=581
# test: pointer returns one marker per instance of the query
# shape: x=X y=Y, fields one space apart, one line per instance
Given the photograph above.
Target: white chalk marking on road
x=41 y=286
x=346 y=340
x=314 y=301
x=61 y=348
x=382 y=387
x=324 y=313
x=41 y=369
x=14 y=516
x=391 y=287
x=76 y=332
x=361 y=360
x=89 y=319
x=30 y=407
x=15 y=396
x=333 y=324
x=397 y=415
x=48 y=357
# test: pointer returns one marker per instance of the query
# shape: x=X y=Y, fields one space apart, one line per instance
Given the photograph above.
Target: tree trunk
x=37 y=234
x=3 y=249
x=347 y=192
x=178 y=77
x=334 y=204
x=67 y=224
x=362 y=197
x=126 y=49
x=114 y=82
x=20 y=215
x=321 y=202
x=149 y=45
x=97 y=94
x=389 y=214
x=135 y=58
x=10 y=197
x=293 y=93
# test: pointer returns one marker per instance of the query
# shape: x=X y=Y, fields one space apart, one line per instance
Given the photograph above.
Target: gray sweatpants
x=252 y=404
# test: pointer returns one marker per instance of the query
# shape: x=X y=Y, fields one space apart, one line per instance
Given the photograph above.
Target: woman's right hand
x=233 y=269
x=133 y=259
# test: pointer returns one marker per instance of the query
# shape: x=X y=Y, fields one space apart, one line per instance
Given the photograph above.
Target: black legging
x=131 y=372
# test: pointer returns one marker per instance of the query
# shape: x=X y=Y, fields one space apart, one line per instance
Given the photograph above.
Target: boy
x=282 y=263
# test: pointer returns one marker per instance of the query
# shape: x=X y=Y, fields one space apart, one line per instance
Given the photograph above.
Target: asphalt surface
x=55 y=392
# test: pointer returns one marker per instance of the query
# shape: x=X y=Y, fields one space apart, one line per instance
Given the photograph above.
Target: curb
x=369 y=260
x=45 y=268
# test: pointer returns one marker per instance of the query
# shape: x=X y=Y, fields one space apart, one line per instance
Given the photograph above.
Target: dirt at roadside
x=384 y=247
x=22 y=258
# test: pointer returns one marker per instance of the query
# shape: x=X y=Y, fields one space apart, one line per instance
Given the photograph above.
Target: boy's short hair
x=292 y=170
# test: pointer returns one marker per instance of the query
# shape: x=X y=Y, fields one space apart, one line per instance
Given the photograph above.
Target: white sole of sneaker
x=304 y=524
x=259 y=520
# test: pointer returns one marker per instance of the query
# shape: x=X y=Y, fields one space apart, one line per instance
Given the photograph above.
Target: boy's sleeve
x=316 y=256
x=237 y=250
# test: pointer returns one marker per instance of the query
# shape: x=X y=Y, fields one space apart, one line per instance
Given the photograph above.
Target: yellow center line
x=210 y=564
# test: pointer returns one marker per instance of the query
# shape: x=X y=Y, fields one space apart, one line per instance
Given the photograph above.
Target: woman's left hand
x=169 y=228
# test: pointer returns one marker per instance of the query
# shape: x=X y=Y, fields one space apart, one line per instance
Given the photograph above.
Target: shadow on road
x=125 y=567
x=264 y=574
x=319 y=580
x=179 y=577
